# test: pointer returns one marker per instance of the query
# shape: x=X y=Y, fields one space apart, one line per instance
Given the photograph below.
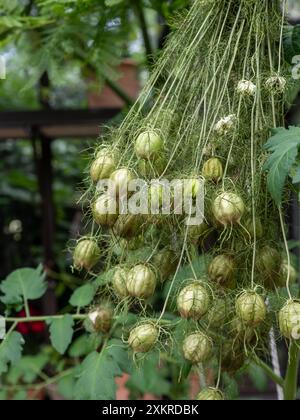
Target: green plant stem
x=268 y=370
x=43 y=318
x=36 y=387
x=291 y=379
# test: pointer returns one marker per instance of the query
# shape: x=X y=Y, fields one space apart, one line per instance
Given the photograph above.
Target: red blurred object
x=36 y=327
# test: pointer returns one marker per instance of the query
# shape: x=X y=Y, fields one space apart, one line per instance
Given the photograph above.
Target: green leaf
x=111 y=3
x=61 y=332
x=98 y=371
x=27 y=369
x=83 y=296
x=84 y=345
x=23 y=284
x=66 y=386
x=291 y=40
x=258 y=377
x=10 y=350
x=283 y=145
x=150 y=379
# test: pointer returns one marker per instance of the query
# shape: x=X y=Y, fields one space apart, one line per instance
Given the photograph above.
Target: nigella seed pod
x=222 y=271
x=225 y=125
x=165 y=263
x=143 y=337
x=254 y=227
x=289 y=320
x=105 y=211
x=102 y=317
x=119 y=282
x=287 y=271
x=129 y=225
x=193 y=301
x=86 y=254
x=121 y=179
x=213 y=170
x=276 y=84
x=246 y=88
x=103 y=166
x=141 y=282
x=228 y=208
x=148 y=145
x=197 y=348
x=268 y=265
x=251 y=309
x=211 y=394
x=218 y=313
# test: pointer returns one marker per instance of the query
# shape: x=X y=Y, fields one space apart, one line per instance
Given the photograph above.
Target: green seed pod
x=119 y=282
x=152 y=168
x=218 y=313
x=104 y=209
x=141 y=282
x=211 y=394
x=213 y=170
x=287 y=270
x=268 y=265
x=143 y=337
x=222 y=271
x=289 y=320
x=193 y=301
x=228 y=208
x=197 y=348
x=249 y=226
x=102 y=317
x=86 y=254
x=121 y=179
x=165 y=262
x=251 y=309
x=129 y=225
x=102 y=167
x=148 y=145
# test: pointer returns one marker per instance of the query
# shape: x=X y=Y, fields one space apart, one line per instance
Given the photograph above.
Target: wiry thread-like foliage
x=216 y=92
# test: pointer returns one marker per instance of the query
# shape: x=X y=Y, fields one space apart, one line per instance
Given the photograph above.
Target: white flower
x=225 y=124
x=276 y=84
x=246 y=88
x=93 y=316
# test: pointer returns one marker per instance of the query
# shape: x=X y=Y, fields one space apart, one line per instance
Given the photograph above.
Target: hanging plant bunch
x=222 y=89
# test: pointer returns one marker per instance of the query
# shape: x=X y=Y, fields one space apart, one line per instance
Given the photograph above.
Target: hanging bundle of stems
x=216 y=92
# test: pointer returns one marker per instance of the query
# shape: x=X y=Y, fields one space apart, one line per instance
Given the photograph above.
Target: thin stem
x=268 y=370
x=43 y=318
x=291 y=379
x=287 y=252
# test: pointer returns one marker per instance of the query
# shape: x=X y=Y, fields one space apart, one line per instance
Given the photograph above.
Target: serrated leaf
x=84 y=345
x=258 y=377
x=61 y=332
x=151 y=378
x=25 y=283
x=66 y=386
x=10 y=350
x=99 y=370
x=83 y=296
x=284 y=146
x=27 y=369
